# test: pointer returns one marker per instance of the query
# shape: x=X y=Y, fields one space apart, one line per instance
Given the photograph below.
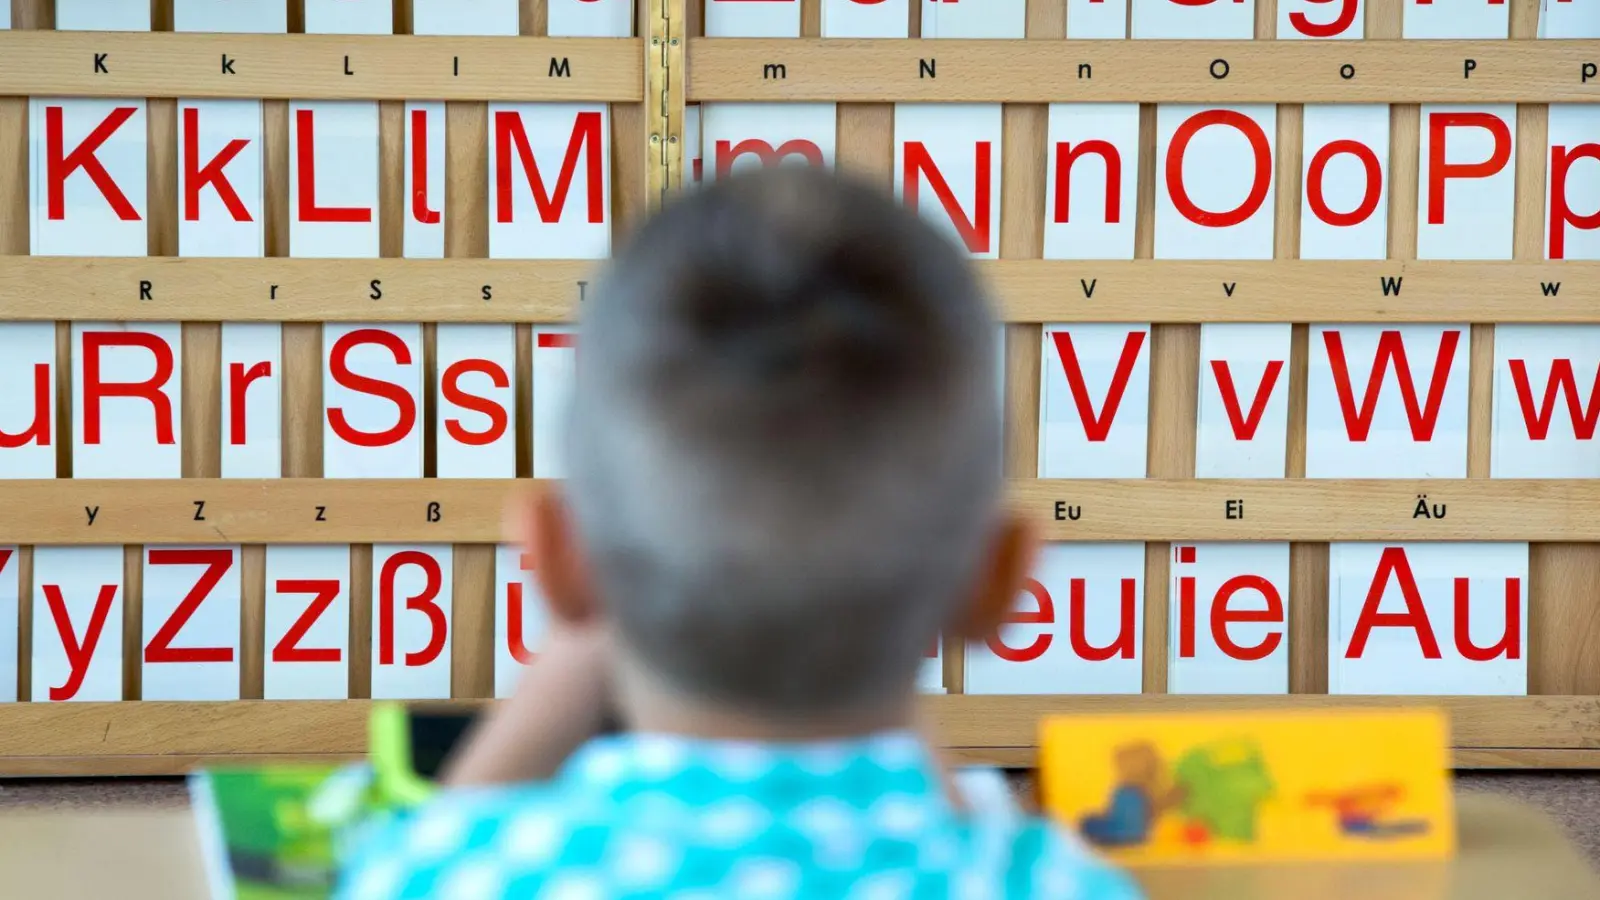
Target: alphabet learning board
x=1300 y=351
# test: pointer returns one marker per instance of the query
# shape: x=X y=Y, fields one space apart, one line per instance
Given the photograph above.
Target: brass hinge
x=664 y=98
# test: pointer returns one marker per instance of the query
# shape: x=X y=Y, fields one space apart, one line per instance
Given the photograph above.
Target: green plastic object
x=396 y=783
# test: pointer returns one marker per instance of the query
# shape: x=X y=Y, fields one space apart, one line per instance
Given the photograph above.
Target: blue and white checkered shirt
x=655 y=816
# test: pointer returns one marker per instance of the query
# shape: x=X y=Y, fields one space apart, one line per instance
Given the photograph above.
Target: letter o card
x=855 y=19
x=1572 y=188
x=1214 y=167
x=1091 y=175
x=307 y=622
x=349 y=17
x=1321 y=20
x=741 y=18
x=1428 y=619
x=1387 y=402
x=555 y=361
x=126 y=380
x=101 y=15
x=467 y=17
x=1078 y=627
x=411 y=590
x=1467 y=187
x=749 y=136
x=1094 y=401
x=231 y=16
x=520 y=620
x=220 y=185
x=997 y=19
x=1097 y=19
x=252 y=400
x=1546 y=401
x=1456 y=19
x=423 y=235
x=333 y=178
x=588 y=18
x=191 y=623
x=87 y=177
x=372 y=394
x=549 y=181
x=1243 y=425
x=27 y=400
x=1570 y=19
x=10 y=602
x=1344 y=207
x=1235 y=20
x=947 y=169
x=77 y=624
x=476 y=402
x=1229 y=618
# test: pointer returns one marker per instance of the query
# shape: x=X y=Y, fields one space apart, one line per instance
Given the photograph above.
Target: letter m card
x=549 y=181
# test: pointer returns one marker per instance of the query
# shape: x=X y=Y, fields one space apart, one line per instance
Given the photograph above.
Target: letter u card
x=1230 y=788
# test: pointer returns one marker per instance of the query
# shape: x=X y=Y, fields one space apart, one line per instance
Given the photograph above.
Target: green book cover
x=262 y=837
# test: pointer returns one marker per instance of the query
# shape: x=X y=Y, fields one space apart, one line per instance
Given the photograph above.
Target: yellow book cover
x=1231 y=787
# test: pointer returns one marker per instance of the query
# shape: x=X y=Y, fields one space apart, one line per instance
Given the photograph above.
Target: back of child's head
x=785 y=445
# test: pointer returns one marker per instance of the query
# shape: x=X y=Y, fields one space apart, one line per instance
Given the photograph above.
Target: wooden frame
x=1027 y=291
x=1555 y=726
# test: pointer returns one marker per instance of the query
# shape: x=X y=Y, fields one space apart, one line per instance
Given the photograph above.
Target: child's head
x=785 y=450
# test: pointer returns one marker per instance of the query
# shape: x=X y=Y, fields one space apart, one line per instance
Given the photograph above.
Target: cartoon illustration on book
x=1215 y=790
x=1361 y=811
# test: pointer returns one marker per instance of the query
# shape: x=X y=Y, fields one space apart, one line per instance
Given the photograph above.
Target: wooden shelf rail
x=1043 y=71
x=319 y=67
x=1027 y=291
x=464 y=511
x=143 y=738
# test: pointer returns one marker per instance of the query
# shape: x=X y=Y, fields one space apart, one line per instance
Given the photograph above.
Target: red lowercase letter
x=79 y=654
x=1044 y=615
x=422 y=602
x=1123 y=645
x=323 y=592
x=214 y=173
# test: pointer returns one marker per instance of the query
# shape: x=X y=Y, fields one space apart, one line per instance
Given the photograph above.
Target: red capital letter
x=1262 y=153
x=1439 y=124
x=59 y=165
x=585 y=140
x=1393 y=562
x=338 y=366
x=95 y=390
x=975 y=231
x=306 y=156
x=217 y=562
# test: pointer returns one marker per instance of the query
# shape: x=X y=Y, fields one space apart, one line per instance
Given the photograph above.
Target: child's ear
x=558 y=561
x=1012 y=548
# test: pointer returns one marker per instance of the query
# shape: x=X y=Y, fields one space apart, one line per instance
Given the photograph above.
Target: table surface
x=1507 y=851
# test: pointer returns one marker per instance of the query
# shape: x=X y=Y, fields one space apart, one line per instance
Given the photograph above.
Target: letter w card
x=1094 y=401
x=1229 y=619
x=411 y=591
x=1546 y=401
x=191 y=623
x=1387 y=402
x=1428 y=619
x=77 y=623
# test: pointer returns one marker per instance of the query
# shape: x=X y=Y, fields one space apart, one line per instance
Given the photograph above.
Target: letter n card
x=1428 y=619
x=191 y=623
x=1180 y=789
x=411 y=593
x=1078 y=627
x=519 y=617
x=77 y=623
x=947 y=168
